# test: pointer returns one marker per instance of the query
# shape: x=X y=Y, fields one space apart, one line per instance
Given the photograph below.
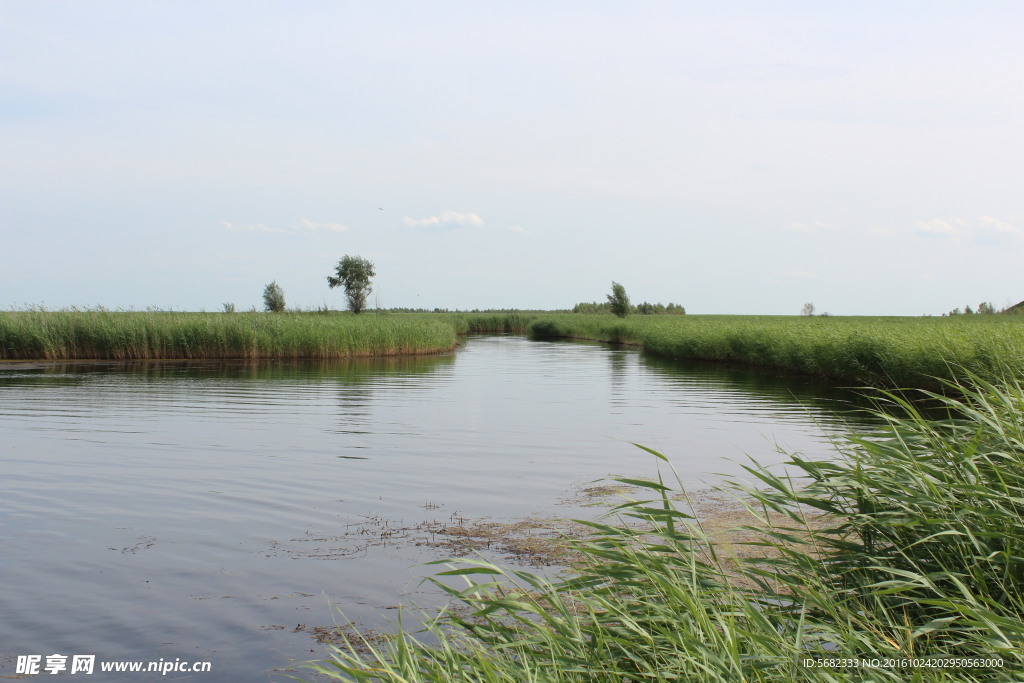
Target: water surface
x=218 y=511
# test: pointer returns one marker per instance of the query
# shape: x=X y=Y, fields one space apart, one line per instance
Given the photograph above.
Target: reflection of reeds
x=890 y=351
x=913 y=565
x=62 y=335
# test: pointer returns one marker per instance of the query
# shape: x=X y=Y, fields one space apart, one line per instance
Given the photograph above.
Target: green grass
x=65 y=335
x=130 y=335
x=859 y=351
x=877 y=351
x=917 y=551
x=856 y=350
x=498 y=321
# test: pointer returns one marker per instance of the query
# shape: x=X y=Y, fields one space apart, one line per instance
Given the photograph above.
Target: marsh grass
x=497 y=321
x=134 y=335
x=861 y=351
x=915 y=551
x=37 y=334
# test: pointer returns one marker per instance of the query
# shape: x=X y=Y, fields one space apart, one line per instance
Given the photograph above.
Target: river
x=221 y=512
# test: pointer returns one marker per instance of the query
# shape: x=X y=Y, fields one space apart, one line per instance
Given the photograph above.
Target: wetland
x=235 y=511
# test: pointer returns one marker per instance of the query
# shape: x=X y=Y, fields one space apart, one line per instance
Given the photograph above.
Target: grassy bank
x=857 y=350
x=904 y=551
x=881 y=351
x=492 y=321
x=66 y=335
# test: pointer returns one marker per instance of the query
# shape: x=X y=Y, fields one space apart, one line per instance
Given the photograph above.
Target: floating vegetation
x=528 y=542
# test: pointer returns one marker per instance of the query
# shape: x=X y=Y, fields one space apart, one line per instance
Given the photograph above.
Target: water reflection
x=230 y=499
x=779 y=395
x=260 y=369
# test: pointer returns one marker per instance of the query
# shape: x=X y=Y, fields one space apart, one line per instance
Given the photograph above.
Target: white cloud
x=448 y=217
x=302 y=225
x=520 y=229
x=996 y=225
x=983 y=227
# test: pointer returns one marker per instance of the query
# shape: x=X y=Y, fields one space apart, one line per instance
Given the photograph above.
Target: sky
x=733 y=157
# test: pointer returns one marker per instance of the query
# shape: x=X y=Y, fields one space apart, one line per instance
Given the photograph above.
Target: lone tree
x=353 y=273
x=273 y=297
x=618 y=300
x=808 y=309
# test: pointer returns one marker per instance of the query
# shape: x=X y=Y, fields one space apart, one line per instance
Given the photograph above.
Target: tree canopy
x=354 y=274
x=273 y=298
x=619 y=301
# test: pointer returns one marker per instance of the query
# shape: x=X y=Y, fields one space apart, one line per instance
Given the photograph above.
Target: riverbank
x=168 y=335
x=859 y=351
x=119 y=335
x=876 y=351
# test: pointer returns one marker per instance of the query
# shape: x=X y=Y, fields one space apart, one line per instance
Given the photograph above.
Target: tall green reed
x=928 y=532
x=876 y=351
x=63 y=335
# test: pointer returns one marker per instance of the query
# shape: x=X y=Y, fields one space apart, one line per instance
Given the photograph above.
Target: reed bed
x=899 y=560
x=490 y=321
x=66 y=335
x=864 y=351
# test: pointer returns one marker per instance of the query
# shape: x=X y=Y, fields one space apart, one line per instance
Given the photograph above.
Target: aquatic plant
x=860 y=351
x=898 y=560
x=119 y=335
x=908 y=352
x=503 y=321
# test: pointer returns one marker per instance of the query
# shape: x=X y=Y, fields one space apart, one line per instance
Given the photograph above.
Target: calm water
x=202 y=512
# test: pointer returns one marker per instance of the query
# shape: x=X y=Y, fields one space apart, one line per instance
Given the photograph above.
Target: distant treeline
x=986 y=308
x=489 y=311
x=640 y=309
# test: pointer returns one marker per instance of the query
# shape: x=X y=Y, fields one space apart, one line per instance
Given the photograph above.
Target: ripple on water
x=189 y=510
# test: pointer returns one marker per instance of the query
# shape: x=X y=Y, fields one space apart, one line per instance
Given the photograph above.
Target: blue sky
x=735 y=157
